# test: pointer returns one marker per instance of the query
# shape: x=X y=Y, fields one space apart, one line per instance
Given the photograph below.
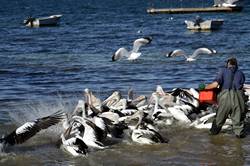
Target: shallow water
x=46 y=69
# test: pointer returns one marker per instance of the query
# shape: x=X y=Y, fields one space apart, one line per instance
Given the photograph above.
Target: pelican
x=205 y=122
x=187 y=109
x=178 y=114
x=183 y=96
x=160 y=90
x=140 y=101
x=112 y=99
x=165 y=99
x=91 y=99
x=144 y=133
x=114 y=117
x=192 y=57
x=73 y=143
x=157 y=113
x=126 y=109
x=80 y=109
x=89 y=132
x=193 y=92
x=29 y=129
x=133 y=54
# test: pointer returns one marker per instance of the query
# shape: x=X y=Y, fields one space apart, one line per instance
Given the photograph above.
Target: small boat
x=52 y=20
x=200 y=24
x=229 y=3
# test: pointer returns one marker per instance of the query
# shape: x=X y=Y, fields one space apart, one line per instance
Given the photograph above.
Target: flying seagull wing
x=141 y=42
x=177 y=52
x=121 y=52
x=202 y=51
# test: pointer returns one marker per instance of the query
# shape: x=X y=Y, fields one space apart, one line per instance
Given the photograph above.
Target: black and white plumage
x=29 y=129
x=91 y=134
x=147 y=134
x=133 y=54
x=186 y=97
x=203 y=121
x=192 y=57
x=159 y=112
x=73 y=143
x=144 y=132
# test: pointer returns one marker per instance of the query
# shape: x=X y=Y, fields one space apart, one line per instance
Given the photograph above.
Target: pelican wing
x=75 y=146
x=114 y=117
x=142 y=136
x=148 y=137
x=158 y=138
x=139 y=101
x=179 y=115
x=141 y=42
x=93 y=135
x=29 y=129
x=121 y=52
x=112 y=99
x=177 y=52
x=82 y=147
x=97 y=131
x=201 y=122
x=207 y=117
x=201 y=51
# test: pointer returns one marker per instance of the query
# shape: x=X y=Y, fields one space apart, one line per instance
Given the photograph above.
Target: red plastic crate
x=207 y=96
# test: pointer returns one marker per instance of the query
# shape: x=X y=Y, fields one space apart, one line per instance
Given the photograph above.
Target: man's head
x=232 y=62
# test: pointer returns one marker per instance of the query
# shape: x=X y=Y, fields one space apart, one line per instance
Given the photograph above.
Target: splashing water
x=32 y=111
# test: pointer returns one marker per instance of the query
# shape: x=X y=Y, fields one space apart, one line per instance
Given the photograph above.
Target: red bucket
x=207 y=96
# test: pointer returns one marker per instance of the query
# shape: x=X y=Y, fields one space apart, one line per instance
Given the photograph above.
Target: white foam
x=32 y=111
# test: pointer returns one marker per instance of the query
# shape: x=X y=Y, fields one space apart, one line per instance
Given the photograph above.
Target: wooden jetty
x=193 y=10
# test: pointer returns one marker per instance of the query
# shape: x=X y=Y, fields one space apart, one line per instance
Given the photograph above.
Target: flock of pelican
x=135 y=54
x=93 y=122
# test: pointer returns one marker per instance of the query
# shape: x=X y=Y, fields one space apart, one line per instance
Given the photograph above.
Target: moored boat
x=200 y=24
x=52 y=20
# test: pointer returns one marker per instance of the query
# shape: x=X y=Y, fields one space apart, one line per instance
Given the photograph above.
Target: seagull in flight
x=29 y=129
x=192 y=57
x=134 y=53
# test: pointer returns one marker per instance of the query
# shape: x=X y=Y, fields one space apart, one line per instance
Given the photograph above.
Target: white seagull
x=133 y=54
x=192 y=57
x=29 y=129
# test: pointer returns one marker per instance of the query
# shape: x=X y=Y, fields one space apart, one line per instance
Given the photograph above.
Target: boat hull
x=44 y=21
x=205 y=25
